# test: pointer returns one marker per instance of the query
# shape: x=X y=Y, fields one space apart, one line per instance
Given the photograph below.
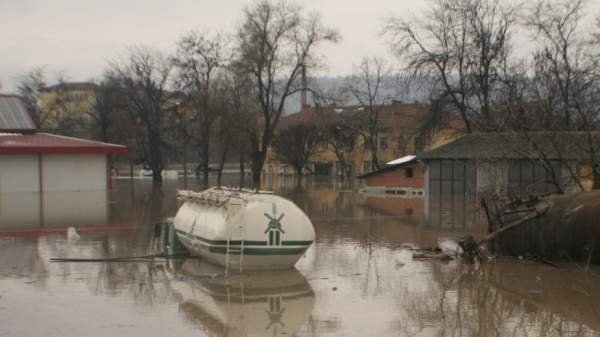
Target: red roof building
x=403 y=176
x=44 y=177
x=45 y=143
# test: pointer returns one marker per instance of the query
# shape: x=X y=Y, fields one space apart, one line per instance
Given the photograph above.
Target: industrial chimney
x=303 y=92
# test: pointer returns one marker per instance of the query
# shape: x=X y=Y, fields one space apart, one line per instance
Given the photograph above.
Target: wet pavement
x=356 y=280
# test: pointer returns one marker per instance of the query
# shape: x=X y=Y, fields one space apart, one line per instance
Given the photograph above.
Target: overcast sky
x=78 y=37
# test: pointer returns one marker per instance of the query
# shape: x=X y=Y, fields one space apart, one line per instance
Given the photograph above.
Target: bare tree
x=562 y=94
x=225 y=131
x=200 y=57
x=30 y=85
x=107 y=103
x=368 y=86
x=182 y=127
x=461 y=44
x=240 y=118
x=143 y=78
x=297 y=144
x=549 y=102
x=275 y=42
x=566 y=65
x=341 y=136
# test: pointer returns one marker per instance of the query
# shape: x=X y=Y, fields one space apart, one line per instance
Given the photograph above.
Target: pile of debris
x=543 y=228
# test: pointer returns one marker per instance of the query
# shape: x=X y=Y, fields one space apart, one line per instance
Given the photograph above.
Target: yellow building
x=67 y=108
x=403 y=129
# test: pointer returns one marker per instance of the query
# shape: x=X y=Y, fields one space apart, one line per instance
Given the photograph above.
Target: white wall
x=19 y=210
x=19 y=174
x=74 y=172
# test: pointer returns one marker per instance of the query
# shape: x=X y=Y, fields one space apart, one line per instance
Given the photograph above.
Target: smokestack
x=303 y=99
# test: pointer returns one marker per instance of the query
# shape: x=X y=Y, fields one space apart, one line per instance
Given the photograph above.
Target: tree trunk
x=156 y=175
x=222 y=161
x=131 y=165
x=185 y=165
x=258 y=161
x=372 y=145
x=104 y=132
x=298 y=171
x=374 y=157
x=242 y=168
x=347 y=170
x=156 y=164
x=596 y=180
x=205 y=161
x=342 y=160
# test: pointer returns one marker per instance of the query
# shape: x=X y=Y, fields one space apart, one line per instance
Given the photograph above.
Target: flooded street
x=356 y=280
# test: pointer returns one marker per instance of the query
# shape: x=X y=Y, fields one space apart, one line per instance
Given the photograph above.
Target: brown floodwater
x=356 y=280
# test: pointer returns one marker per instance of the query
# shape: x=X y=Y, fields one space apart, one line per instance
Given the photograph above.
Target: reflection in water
x=269 y=303
x=408 y=209
x=356 y=280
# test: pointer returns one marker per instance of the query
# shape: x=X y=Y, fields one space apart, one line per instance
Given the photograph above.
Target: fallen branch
x=472 y=249
x=540 y=209
x=438 y=256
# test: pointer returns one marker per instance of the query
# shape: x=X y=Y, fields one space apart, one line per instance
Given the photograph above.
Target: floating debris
x=72 y=234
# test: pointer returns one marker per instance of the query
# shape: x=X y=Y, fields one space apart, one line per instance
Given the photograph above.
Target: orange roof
x=399 y=116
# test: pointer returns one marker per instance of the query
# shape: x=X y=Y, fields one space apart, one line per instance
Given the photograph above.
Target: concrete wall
x=74 y=172
x=19 y=174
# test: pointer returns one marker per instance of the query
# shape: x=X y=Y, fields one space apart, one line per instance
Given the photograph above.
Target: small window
x=408 y=172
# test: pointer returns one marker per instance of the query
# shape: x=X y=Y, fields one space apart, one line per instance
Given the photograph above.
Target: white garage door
x=74 y=172
x=19 y=174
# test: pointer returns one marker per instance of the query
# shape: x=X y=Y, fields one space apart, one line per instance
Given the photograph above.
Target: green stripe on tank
x=296 y=243
x=260 y=251
x=239 y=242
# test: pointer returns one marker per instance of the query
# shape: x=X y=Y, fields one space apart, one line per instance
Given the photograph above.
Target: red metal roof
x=45 y=143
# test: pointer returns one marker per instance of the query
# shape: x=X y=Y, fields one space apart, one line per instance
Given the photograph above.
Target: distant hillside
x=332 y=87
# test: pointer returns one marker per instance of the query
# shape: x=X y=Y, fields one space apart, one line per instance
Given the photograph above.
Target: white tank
x=243 y=229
